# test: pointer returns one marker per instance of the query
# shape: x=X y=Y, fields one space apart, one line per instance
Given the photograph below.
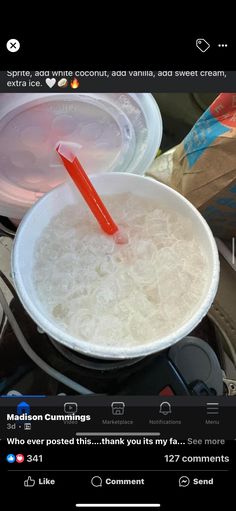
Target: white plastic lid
x=110 y=132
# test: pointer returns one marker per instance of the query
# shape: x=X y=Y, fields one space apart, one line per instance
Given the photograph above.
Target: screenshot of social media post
x=118 y=285
x=117 y=246
x=118 y=454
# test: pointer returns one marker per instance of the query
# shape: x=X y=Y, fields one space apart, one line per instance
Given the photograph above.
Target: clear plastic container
x=110 y=133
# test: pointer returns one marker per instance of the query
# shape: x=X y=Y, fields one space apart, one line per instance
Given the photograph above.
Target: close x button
x=13 y=45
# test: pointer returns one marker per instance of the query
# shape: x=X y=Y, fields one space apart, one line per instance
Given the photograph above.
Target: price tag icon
x=202 y=45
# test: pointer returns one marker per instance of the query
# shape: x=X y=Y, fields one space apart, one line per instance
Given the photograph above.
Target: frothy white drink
x=120 y=294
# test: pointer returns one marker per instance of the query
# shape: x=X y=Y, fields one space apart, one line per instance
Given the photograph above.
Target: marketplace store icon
x=23 y=407
x=118 y=408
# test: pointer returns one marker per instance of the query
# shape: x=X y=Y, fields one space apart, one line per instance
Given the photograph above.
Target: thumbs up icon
x=29 y=482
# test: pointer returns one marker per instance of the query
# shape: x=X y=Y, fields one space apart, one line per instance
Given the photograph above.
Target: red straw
x=83 y=183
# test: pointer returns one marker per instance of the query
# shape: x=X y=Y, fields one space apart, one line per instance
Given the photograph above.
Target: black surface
x=147 y=376
x=119 y=42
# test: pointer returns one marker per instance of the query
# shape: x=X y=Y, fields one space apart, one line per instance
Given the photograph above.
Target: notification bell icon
x=165 y=408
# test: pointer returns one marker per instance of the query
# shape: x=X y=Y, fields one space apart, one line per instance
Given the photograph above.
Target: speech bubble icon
x=184 y=481
x=96 y=481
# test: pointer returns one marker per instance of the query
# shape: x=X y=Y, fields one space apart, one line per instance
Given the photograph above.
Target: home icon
x=23 y=407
